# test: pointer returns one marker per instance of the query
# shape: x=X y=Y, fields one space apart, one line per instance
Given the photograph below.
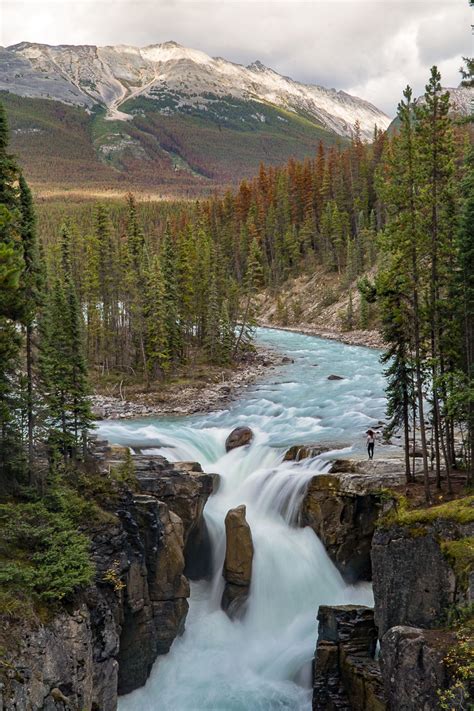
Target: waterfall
x=262 y=662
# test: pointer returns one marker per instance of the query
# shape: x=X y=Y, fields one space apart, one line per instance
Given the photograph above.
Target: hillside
x=320 y=303
x=164 y=117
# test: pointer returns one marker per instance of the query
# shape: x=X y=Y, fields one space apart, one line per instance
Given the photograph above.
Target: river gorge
x=263 y=661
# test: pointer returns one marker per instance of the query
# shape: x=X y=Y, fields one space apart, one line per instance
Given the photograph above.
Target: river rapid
x=262 y=662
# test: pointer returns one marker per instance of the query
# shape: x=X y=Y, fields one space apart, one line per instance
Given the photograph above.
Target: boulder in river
x=335 y=377
x=306 y=451
x=238 y=438
x=237 y=570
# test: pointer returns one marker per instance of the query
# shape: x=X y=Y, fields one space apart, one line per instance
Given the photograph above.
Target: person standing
x=370 y=443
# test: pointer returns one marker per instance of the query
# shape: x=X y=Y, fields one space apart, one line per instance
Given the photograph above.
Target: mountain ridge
x=90 y=75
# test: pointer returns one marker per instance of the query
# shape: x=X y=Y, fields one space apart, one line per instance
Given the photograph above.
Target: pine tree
x=171 y=299
x=436 y=165
x=391 y=290
x=462 y=395
x=62 y=364
x=11 y=268
x=400 y=188
x=212 y=338
x=156 y=341
x=32 y=287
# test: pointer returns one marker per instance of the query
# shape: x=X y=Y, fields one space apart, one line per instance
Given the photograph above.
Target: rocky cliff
x=342 y=508
x=421 y=561
x=346 y=675
x=105 y=640
x=423 y=564
x=415 y=581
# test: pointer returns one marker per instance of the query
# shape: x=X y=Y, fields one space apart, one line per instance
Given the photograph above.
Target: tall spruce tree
x=11 y=268
x=436 y=167
x=62 y=365
x=32 y=287
x=462 y=396
x=400 y=189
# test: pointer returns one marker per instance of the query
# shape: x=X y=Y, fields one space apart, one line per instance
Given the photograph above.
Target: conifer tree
x=156 y=341
x=171 y=299
x=32 y=286
x=400 y=189
x=11 y=268
x=462 y=396
x=62 y=364
x=436 y=165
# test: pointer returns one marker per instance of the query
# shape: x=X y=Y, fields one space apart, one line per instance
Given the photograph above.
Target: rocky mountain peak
x=180 y=77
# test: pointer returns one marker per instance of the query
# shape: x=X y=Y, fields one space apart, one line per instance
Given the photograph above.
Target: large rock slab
x=343 y=514
x=237 y=569
x=185 y=488
x=346 y=676
x=412 y=662
x=414 y=581
x=155 y=596
x=239 y=437
x=297 y=452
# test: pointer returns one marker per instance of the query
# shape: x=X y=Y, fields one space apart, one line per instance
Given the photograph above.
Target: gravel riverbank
x=370 y=339
x=191 y=398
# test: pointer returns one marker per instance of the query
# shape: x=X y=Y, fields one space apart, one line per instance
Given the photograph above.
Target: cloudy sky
x=369 y=48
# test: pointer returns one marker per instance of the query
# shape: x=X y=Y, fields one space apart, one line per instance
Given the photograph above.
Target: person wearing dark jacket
x=370 y=443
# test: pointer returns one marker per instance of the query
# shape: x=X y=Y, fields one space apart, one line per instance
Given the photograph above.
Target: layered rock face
x=415 y=584
x=297 y=452
x=342 y=509
x=154 y=604
x=237 y=570
x=346 y=676
x=107 y=639
x=184 y=488
x=413 y=667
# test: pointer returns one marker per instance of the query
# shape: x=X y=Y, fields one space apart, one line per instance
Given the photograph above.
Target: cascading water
x=262 y=662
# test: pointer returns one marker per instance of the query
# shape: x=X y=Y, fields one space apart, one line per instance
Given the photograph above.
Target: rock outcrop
x=343 y=507
x=414 y=580
x=184 y=488
x=238 y=438
x=412 y=662
x=346 y=676
x=106 y=639
x=306 y=451
x=154 y=604
x=422 y=569
x=237 y=570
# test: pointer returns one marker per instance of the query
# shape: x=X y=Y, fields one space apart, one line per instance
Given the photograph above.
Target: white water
x=262 y=663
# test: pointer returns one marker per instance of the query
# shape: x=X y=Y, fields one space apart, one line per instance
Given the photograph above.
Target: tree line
x=425 y=285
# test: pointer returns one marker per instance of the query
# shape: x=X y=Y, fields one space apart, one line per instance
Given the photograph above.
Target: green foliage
x=460 y=554
x=459 y=660
x=42 y=551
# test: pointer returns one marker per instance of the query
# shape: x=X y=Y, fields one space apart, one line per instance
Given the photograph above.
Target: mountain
x=165 y=116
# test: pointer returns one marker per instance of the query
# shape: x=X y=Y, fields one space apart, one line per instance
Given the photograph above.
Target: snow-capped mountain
x=176 y=78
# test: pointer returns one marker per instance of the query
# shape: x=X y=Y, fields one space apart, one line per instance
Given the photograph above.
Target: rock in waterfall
x=238 y=438
x=237 y=570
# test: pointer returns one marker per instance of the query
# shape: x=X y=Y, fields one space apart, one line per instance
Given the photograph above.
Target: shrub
x=42 y=551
